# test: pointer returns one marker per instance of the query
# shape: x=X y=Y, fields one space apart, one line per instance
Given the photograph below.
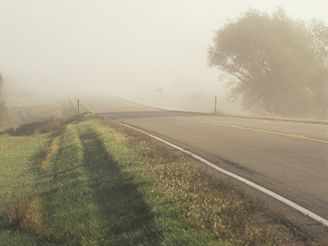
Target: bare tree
x=275 y=63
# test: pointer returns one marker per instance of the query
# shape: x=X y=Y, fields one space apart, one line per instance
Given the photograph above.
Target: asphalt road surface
x=288 y=158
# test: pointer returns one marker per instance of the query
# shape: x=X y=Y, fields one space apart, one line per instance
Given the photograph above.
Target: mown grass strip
x=68 y=200
x=126 y=218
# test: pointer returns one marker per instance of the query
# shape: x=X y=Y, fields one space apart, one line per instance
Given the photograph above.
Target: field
x=27 y=112
x=94 y=183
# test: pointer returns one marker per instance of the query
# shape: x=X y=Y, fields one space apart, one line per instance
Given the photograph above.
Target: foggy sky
x=127 y=48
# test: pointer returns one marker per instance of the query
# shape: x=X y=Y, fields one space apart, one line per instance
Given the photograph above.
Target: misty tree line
x=274 y=63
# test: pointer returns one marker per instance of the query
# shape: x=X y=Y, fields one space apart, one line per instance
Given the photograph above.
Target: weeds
x=37 y=127
x=27 y=215
x=43 y=126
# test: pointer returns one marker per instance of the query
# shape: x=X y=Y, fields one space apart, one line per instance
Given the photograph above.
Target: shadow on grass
x=89 y=201
x=129 y=220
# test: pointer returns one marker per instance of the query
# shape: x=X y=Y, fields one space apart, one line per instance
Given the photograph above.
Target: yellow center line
x=268 y=132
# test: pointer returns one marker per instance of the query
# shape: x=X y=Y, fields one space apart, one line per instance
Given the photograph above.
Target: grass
x=18 y=176
x=91 y=183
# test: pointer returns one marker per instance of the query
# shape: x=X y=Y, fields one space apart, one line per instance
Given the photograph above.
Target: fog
x=150 y=51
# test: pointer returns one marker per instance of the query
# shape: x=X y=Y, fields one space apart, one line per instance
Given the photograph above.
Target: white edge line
x=239 y=178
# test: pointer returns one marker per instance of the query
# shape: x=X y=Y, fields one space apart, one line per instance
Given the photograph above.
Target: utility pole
x=78 y=106
x=215 y=104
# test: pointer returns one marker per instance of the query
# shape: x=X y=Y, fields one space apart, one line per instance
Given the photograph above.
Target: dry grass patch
x=51 y=152
x=27 y=215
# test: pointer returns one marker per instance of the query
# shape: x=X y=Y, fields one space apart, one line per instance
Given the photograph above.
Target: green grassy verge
x=98 y=184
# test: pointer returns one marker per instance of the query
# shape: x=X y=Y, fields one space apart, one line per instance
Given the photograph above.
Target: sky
x=128 y=48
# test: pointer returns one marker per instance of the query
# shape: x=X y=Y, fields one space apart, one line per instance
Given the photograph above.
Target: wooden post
x=215 y=104
x=78 y=106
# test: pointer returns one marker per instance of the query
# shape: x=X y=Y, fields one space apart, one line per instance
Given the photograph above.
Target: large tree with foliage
x=275 y=63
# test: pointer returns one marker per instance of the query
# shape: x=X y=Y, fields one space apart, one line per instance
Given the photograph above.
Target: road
x=288 y=158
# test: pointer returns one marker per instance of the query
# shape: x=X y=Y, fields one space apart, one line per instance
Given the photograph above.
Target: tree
x=274 y=63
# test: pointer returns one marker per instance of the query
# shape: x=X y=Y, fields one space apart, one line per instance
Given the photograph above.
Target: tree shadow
x=129 y=220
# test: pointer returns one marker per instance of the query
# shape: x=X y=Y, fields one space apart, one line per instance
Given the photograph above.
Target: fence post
x=215 y=104
x=78 y=106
